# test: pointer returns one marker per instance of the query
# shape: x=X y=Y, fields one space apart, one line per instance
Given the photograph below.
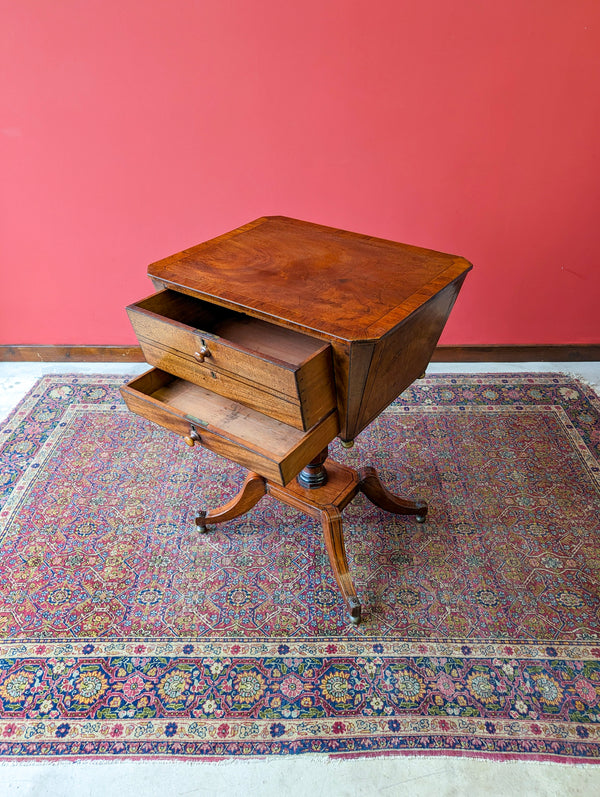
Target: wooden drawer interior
x=260 y=443
x=274 y=370
x=251 y=334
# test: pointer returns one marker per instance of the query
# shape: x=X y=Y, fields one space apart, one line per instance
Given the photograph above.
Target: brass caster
x=354 y=611
x=200 y=523
x=421 y=515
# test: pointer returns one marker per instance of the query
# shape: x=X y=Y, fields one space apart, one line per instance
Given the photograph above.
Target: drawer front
x=270 y=402
x=220 y=356
x=266 y=446
x=298 y=390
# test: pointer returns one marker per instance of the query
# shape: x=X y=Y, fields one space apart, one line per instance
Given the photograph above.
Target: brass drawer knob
x=202 y=354
x=192 y=438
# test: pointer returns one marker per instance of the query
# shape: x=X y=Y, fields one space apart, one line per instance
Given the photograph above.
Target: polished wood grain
x=333 y=534
x=168 y=312
x=325 y=504
x=260 y=398
x=335 y=283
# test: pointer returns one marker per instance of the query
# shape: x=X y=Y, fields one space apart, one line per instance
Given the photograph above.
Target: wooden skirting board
x=76 y=354
x=517 y=354
x=442 y=354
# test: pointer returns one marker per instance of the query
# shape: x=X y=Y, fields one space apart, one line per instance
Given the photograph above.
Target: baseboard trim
x=76 y=354
x=442 y=354
x=517 y=354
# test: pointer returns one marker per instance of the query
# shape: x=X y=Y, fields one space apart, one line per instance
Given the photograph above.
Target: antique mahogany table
x=271 y=340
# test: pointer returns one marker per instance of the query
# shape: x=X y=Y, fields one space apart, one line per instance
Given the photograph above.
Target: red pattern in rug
x=125 y=632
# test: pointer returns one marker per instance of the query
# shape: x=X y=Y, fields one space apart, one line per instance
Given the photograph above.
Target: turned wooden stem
x=314 y=474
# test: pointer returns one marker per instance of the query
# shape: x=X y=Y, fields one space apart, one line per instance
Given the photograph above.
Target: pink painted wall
x=131 y=129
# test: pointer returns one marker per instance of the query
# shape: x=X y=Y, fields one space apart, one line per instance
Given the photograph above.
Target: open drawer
x=262 y=444
x=277 y=371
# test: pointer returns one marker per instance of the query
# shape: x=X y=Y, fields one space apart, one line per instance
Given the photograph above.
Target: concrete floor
x=314 y=776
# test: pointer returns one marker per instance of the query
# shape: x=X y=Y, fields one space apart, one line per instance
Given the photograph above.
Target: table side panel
x=403 y=355
x=351 y=367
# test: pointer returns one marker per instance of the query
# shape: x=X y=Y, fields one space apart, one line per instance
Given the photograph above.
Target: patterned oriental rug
x=124 y=632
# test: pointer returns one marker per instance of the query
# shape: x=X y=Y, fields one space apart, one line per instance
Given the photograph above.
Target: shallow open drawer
x=271 y=448
x=277 y=371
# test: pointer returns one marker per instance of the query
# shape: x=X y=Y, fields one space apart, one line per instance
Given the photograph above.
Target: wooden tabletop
x=340 y=284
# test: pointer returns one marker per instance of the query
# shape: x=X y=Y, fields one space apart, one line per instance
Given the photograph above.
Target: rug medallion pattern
x=125 y=632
